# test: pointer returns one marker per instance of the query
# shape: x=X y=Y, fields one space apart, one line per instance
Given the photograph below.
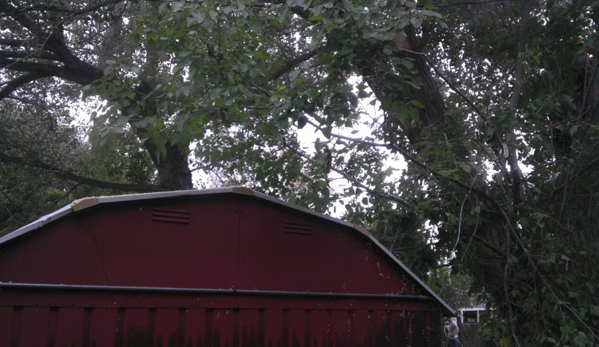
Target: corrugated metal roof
x=85 y=203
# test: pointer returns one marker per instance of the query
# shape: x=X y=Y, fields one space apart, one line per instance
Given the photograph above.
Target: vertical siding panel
x=17 y=314
x=250 y=328
x=297 y=328
x=285 y=330
x=222 y=327
x=410 y=329
x=273 y=328
x=120 y=327
x=308 y=325
x=379 y=328
x=5 y=325
x=428 y=329
x=208 y=340
x=52 y=326
x=321 y=328
x=419 y=329
x=195 y=327
x=151 y=327
x=181 y=327
x=341 y=328
x=397 y=323
x=136 y=326
x=166 y=327
x=436 y=328
x=70 y=326
x=87 y=326
x=359 y=328
x=236 y=327
x=34 y=326
x=103 y=327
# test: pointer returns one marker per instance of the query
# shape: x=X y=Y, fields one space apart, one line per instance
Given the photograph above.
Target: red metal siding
x=235 y=243
x=31 y=318
x=64 y=254
x=331 y=259
x=140 y=251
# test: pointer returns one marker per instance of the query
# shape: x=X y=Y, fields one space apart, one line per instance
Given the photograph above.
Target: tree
x=45 y=163
x=492 y=105
x=64 y=41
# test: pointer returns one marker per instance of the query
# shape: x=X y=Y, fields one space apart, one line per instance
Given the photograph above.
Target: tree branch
x=40 y=55
x=12 y=42
x=454 y=88
x=293 y=63
x=423 y=166
x=77 y=178
x=468 y=3
x=71 y=11
x=353 y=181
x=20 y=81
x=48 y=41
x=82 y=75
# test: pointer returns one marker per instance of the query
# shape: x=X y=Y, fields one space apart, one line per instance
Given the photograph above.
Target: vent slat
x=166 y=214
x=171 y=216
x=171 y=220
x=299 y=228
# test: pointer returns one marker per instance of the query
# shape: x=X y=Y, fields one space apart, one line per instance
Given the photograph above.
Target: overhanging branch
x=12 y=42
x=417 y=162
x=25 y=55
x=81 y=179
x=72 y=12
x=293 y=63
x=82 y=74
x=354 y=182
x=20 y=81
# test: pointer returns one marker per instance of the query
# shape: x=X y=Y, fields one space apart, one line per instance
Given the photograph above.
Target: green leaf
x=260 y=55
x=293 y=74
x=467 y=168
x=363 y=94
x=302 y=121
x=417 y=104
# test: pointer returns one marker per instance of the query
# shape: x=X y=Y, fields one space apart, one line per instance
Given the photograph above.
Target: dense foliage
x=491 y=105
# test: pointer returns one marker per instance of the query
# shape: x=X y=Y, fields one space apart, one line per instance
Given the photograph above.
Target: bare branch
x=81 y=179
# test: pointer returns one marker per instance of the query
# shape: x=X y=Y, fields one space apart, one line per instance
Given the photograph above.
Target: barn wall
x=227 y=242
x=210 y=242
x=85 y=318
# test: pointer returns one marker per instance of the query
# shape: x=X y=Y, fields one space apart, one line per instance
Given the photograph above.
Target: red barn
x=225 y=267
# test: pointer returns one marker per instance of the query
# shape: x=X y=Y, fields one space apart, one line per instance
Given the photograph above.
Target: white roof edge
x=236 y=190
x=158 y=195
x=303 y=209
x=38 y=223
x=403 y=266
